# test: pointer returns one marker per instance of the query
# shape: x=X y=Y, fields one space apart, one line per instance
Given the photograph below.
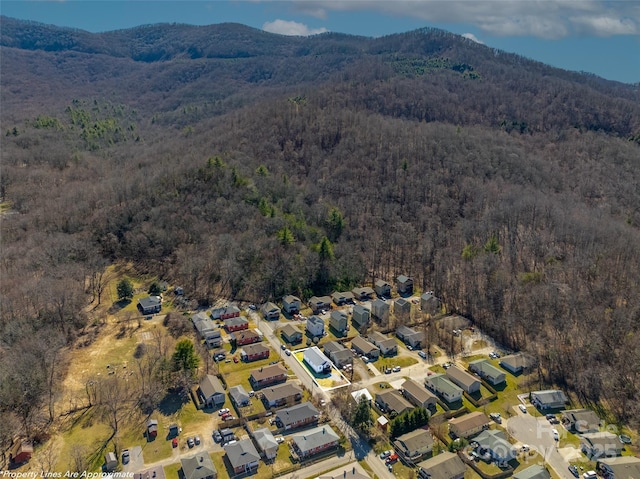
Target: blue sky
x=597 y=36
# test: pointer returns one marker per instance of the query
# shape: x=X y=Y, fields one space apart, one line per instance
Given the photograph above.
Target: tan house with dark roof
x=469 y=425
x=414 y=446
x=463 y=379
x=362 y=346
x=418 y=395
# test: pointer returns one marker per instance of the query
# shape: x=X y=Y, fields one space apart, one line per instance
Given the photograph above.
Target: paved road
x=536 y=432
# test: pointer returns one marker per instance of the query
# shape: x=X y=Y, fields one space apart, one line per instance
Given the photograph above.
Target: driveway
x=136 y=461
x=536 y=432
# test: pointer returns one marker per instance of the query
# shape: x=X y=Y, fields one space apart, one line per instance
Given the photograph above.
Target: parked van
x=422 y=354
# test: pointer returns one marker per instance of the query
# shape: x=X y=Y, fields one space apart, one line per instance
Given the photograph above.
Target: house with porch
x=386 y=345
x=270 y=311
x=410 y=336
x=414 y=446
x=291 y=304
x=365 y=348
x=291 y=334
x=211 y=391
x=320 y=303
x=404 y=285
x=280 y=395
x=342 y=298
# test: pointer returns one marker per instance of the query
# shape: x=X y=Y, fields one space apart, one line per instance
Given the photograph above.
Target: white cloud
x=472 y=37
x=539 y=18
x=284 y=27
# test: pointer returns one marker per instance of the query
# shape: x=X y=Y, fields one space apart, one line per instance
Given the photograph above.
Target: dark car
x=190 y=442
x=174 y=442
x=197 y=440
x=574 y=471
x=125 y=456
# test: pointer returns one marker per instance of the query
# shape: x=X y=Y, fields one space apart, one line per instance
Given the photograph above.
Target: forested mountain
x=240 y=163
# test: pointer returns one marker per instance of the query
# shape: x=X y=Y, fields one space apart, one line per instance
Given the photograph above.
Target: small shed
x=152 y=428
x=383 y=422
x=20 y=451
x=110 y=461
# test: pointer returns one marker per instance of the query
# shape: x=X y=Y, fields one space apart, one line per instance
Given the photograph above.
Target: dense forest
x=248 y=165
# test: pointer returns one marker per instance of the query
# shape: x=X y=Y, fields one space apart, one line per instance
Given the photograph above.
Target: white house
x=316 y=360
x=315 y=326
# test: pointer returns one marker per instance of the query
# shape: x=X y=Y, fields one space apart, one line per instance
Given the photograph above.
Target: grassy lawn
x=400 y=470
x=282 y=462
x=367 y=468
x=402 y=361
x=488 y=469
x=437 y=369
x=469 y=359
x=171 y=471
x=238 y=373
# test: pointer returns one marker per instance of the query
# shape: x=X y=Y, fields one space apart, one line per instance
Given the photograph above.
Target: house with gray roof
x=386 y=345
x=198 y=466
x=276 y=396
x=581 y=420
x=429 y=303
x=296 y=416
x=360 y=316
x=267 y=444
x=342 y=298
x=600 y=444
x=363 y=294
x=380 y=310
x=315 y=326
x=364 y=347
x=314 y=441
x=338 y=354
x=150 y=304
x=242 y=456
x=466 y=381
x=439 y=384
x=270 y=311
x=533 y=472
x=516 y=363
x=316 y=360
x=625 y=467
x=156 y=472
x=549 y=399
x=410 y=336
x=382 y=288
x=418 y=395
x=446 y=465
x=346 y=473
x=487 y=371
x=402 y=308
x=239 y=396
x=206 y=329
x=392 y=402
x=338 y=321
x=414 y=446
x=404 y=285
x=495 y=443
x=291 y=304
x=211 y=391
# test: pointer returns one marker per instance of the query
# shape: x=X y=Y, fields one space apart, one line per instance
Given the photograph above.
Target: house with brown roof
x=268 y=375
x=386 y=345
x=581 y=420
x=463 y=379
x=342 y=298
x=363 y=294
x=211 y=391
x=270 y=311
x=468 y=425
x=291 y=304
x=254 y=352
x=418 y=395
x=246 y=337
x=291 y=334
x=319 y=303
x=236 y=323
x=300 y=415
x=276 y=396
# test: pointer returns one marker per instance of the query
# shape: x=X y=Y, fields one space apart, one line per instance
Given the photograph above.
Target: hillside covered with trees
x=248 y=165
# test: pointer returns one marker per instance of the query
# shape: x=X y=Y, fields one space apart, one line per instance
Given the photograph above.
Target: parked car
x=253 y=307
x=525 y=448
x=174 y=442
x=385 y=454
x=125 y=456
x=283 y=347
x=251 y=394
x=590 y=475
x=279 y=439
x=190 y=442
x=422 y=354
x=235 y=359
x=392 y=459
x=268 y=414
x=396 y=369
x=229 y=418
x=390 y=467
x=409 y=347
x=574 y=470
x=223 y=411
x=556 y=434
x=217 y=437
x=197 y=440
x=624 y=439
x=523 y=408
x=287 y=352
x=496 y=417
x=387 y=371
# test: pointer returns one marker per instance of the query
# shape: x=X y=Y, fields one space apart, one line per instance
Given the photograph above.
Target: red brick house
x=236 y=323
x=246 y=337
x=314 y=441
x=254 y=352
x=20 y=451
x=265 y=376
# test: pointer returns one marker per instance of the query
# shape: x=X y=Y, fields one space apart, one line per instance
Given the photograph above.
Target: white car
x=556 y=434
x=287 y=352
x=523 y=408
x=223 y=411
x=396 y=369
